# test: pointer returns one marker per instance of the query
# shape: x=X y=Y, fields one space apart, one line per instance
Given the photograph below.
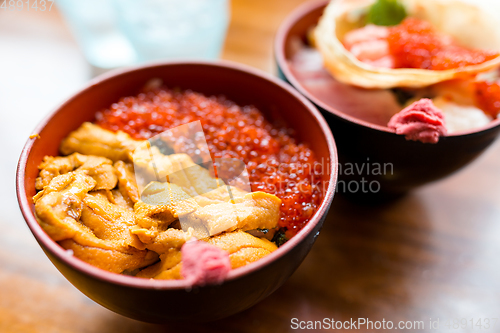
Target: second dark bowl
x=363 y=145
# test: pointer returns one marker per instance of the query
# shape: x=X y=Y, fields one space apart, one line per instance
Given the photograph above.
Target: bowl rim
x=130 y=281
x=282 y=63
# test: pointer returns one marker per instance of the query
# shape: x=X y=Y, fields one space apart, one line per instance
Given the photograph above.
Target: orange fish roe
x=275 y=162
x=415 y=44
x=488 y=97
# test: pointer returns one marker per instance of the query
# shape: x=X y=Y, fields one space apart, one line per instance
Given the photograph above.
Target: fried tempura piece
x=90 y=139
x=97 y=167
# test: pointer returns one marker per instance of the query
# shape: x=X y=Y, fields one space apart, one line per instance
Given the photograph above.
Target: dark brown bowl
x=361 y=143
x=156 y=300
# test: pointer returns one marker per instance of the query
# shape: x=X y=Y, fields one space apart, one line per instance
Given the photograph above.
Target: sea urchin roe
x=488 y=97
x=275 y=162
x=415 y=44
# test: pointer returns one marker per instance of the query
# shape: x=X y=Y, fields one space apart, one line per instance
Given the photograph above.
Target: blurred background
x=434 y=252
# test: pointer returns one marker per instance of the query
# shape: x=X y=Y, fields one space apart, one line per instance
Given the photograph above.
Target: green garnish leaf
x=279 y=238
x=386 y=13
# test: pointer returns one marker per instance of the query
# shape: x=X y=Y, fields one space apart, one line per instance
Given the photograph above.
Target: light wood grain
x=433 y=253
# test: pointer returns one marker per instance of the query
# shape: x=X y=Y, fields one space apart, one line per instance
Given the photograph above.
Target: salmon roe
x=276 y=163
x=488 y=97
x=415 y=44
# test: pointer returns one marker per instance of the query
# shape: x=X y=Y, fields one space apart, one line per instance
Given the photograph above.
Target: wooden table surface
x=434 y=253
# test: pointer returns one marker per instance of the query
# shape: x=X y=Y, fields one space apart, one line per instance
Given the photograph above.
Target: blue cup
x=115 y=33
x=174 y=29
